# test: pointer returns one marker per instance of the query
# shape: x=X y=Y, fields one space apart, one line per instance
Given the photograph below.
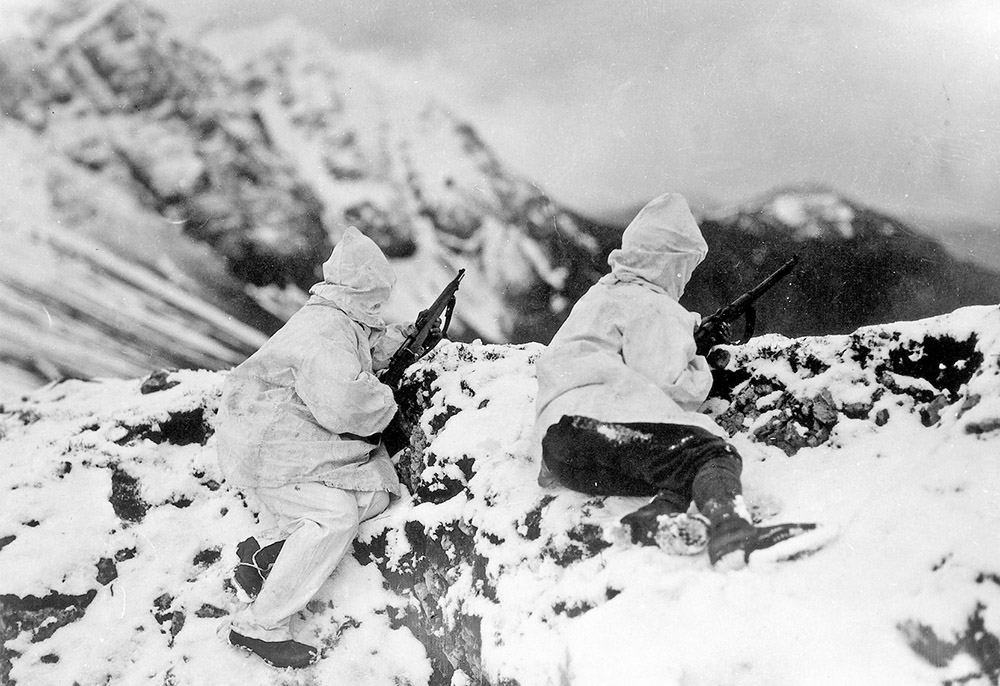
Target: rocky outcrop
x=927 y=374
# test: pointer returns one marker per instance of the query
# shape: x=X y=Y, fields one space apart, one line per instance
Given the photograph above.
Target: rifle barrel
x=735 y=309
x=779 y=274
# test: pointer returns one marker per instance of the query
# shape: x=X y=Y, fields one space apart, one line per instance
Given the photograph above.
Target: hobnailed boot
x=255 y=564
x=663 y=522
x=734 y=542
x=279 y=654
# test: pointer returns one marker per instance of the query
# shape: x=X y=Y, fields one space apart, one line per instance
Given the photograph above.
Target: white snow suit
x=626 y=353
x=298 y=409
x=318 y=524
x=298 y=428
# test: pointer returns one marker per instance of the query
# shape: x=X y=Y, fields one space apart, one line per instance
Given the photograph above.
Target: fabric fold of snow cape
x=285 y=410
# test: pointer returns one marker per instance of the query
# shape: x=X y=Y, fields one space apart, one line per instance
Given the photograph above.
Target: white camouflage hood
x=662 y=246
x=357 y=279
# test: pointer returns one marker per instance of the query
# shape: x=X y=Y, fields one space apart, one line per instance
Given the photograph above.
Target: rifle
x=413 y=348
x=707 y=333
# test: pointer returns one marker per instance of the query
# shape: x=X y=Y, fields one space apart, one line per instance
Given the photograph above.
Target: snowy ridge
x=890 y=434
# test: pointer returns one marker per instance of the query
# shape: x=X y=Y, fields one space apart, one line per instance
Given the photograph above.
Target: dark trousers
x=678 y=462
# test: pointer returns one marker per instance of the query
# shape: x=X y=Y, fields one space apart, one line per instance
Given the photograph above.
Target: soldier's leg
x=672 y=457
x=733 y=538
x=319 y=523
x=605 y=458
x=582 y=454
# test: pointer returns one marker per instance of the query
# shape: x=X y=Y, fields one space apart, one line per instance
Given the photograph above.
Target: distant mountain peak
x=807 y=212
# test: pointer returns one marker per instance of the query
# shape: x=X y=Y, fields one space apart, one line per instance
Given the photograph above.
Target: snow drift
x=117 y=534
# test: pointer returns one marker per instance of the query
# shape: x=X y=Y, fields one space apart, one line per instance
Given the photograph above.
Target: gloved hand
x=434 y=336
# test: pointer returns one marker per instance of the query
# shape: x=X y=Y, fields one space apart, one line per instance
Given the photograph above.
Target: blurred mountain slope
x=92 y=285
x=232 y=182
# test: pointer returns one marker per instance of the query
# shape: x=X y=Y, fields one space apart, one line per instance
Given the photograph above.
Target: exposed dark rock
x=126 y=496
x=106 y=571
x=180 y=428
x=942 y=361
x=930 y=371
x=171 y=621
x=125 y=554
x=532 y=521
x=208 y=557
x=157 y=381
x=436 y=560
x=27 y=417
x=207 y=611
x=42 y=617
x=974 y=641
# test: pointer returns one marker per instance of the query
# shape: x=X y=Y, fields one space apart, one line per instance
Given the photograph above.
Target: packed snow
x=112 y=499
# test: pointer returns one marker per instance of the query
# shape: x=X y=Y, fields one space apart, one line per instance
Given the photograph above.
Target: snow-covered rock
x=117 y=533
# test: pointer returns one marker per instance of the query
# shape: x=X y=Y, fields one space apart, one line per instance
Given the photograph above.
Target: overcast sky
x=608 y=103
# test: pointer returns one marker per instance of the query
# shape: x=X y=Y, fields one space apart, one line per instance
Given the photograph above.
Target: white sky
x=608 y=103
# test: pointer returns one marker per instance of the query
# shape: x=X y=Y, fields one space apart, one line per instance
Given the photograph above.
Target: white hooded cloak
x=295 y=411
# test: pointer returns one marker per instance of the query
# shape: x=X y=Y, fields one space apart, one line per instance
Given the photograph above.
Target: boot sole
x=794 y=548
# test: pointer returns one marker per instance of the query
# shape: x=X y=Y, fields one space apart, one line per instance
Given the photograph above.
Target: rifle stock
x=413 y=348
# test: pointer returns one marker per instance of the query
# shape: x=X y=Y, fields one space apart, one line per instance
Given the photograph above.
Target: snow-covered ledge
x=116 y=532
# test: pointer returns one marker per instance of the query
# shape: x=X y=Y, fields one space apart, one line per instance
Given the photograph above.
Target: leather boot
x=279 y=654
x=735 y=546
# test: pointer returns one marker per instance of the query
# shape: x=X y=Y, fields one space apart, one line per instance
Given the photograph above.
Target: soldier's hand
x=707 y=337
x=434 y=336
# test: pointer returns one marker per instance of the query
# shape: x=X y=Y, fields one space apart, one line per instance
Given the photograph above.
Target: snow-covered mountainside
x=891 y=434
x=230 y=182
x=92 y=284
x=858 y=266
